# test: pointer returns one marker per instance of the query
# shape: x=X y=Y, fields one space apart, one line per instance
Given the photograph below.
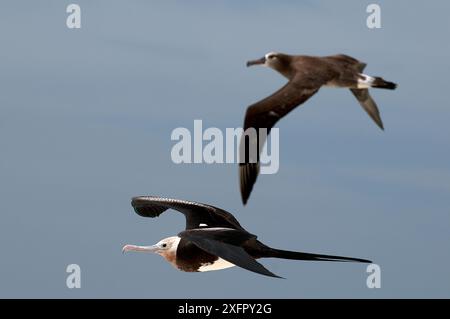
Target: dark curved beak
x=255 y=62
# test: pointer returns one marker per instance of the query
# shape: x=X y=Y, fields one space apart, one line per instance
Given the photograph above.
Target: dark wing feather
x=195 y=213
x=369 y=105
x=225 y=244
x=264 y=114
x=342 y=59
x=362 y=95
x=228 y=235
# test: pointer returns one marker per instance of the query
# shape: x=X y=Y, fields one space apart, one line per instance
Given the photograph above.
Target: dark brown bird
x=213 y=240
x=306 y=75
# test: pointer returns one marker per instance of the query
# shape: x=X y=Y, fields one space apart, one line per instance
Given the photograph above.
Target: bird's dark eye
x=271 y=56
x=164 y=245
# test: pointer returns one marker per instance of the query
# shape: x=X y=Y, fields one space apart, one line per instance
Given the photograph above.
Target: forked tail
x=285 y=254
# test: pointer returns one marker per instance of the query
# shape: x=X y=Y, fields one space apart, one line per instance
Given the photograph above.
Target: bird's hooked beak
x=256 y=62
x=147 y=249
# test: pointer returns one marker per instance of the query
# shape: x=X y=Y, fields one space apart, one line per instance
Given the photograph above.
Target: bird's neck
x=283 y=70
x=171 y=254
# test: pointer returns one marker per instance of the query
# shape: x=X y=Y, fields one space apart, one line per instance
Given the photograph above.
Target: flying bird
x=213 y=240
x=306 y=75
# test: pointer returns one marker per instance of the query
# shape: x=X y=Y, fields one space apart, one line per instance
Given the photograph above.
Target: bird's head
x=273 y=60
x=166 y=247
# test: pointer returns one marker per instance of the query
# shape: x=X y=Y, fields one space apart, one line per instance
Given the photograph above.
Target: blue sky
x=85 y=123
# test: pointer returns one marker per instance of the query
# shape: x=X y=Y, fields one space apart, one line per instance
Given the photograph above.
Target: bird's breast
x=191 y=258
x=216 y=265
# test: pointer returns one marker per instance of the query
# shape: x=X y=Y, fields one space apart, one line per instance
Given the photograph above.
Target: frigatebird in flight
x=213 y=240
x=306 y=75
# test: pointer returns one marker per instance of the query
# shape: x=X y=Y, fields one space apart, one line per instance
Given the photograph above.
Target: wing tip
x=244 y=198
x=136 y=199
x=144 y=208
x=248 y=175
x=268 y=273
x=278 y=277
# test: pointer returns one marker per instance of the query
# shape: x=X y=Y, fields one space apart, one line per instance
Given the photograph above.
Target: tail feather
x=285 y=254
x=383 y=84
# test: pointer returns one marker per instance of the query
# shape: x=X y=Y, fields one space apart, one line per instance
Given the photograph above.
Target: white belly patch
x=217 y=265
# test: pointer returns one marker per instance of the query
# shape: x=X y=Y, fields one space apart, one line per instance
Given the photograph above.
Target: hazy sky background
x=85 y=123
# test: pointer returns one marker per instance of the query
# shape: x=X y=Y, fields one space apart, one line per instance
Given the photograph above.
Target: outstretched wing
x=197 y=214
x=363 y=95
x=369 y=105
x=225 y=243
x=264 y=114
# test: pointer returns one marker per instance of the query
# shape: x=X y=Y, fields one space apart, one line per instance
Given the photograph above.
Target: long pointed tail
x=285 y=254
x=380 y=83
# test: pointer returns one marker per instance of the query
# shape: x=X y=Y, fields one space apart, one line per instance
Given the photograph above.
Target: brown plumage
x=306 y=75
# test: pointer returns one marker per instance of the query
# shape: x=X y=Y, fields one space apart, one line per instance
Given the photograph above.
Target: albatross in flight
x=213 y=240
x=306 y=75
